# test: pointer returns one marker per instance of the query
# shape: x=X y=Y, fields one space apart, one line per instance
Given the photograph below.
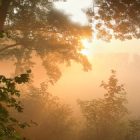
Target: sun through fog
x=86 y=47
x=69 y=69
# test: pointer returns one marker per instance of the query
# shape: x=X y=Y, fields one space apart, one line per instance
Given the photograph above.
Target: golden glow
x=75 y=8
x=86 y=50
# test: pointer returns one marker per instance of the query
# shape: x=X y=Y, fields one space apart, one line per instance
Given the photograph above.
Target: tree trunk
x=3 y=12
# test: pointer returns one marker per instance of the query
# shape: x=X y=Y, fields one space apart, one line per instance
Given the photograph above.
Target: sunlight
x=86 y=50
x=74 y=9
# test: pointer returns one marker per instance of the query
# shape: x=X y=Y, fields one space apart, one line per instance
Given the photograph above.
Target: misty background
x=64 y=98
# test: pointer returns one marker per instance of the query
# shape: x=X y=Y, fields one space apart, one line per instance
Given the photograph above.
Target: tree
x=117 y=19
x=105 y=117
x=133 y=129
x=3 y=12
x=34 y=27
x=53 y=117
x=8 y=101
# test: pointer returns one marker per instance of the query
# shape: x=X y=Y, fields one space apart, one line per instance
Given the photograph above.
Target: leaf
x=24 y=125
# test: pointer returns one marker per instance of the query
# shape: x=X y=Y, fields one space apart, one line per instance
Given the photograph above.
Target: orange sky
x=124 y=57
x=74 y=8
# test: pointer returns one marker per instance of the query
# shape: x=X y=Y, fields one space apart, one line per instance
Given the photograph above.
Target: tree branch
x=9 y=46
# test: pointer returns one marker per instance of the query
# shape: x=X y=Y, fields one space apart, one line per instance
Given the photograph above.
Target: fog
x=69 y=70
x=75 y=83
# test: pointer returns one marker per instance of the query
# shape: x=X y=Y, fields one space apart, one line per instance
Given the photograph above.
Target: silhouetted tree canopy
x=34 y=27
x=53 y=117
x=119 y=19
x=105 y=116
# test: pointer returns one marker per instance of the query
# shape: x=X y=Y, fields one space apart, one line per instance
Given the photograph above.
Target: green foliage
x=105 y=116
x=1 y=34
x=9 y=100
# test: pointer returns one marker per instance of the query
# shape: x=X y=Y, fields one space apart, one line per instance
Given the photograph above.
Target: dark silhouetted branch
x=9 y=46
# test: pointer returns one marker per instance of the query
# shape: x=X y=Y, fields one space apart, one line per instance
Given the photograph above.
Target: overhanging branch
x=9 y=46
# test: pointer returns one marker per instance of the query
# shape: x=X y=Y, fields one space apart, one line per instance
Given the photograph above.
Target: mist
x=69 y=70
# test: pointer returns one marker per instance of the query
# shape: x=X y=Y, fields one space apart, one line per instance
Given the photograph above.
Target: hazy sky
x=74 y=8
x=121 y=56
x=124 y=57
